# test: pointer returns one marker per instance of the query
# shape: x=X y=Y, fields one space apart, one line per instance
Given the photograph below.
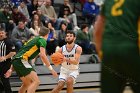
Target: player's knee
x=69 y=81
x=60 y=85
x=57 y=88
x=23 y=88
x=26 y=84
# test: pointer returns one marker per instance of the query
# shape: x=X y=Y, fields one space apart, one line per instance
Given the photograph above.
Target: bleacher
x=89 y=75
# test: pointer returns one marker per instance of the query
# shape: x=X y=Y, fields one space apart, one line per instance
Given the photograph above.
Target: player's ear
x=47 y=35
x=74 y=38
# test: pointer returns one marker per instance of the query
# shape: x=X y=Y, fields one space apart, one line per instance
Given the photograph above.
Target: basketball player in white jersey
x=70 y=67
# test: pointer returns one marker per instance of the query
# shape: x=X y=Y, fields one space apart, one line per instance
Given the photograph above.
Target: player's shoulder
x=39 y=38
x=78 y=48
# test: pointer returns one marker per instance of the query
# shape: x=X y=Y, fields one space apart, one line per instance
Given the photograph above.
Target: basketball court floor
x=85 y=90
x=88 y=90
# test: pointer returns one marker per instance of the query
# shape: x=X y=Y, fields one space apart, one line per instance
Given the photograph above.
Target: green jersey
x=122 y=19
x=121 y=56
x=31 y=49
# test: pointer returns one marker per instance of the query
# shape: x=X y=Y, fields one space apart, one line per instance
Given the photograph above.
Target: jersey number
x=116 y=11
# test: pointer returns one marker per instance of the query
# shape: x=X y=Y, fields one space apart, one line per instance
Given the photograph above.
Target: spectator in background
x=36 y=17
x=16 y=2
x=16 y=16
x=83 y=39
x=35 y=28
x=52 y=39
x=4 y=3
x=27 y=1
x=7 y=50
x=32 y=7
x=23 y=9
x=66 y=14
x=50 y=14
x=62 y=34
x=90 y=11
x=42 y=17
x=82 y=2
x=35 y=25
x=6 y=20
x=20 y=34
x=41 y=2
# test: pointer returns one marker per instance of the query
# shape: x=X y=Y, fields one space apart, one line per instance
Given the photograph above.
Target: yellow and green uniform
x=28 y=52
x=120 y=47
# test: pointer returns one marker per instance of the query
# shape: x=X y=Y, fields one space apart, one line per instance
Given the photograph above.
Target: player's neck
x=70 y=45
x=45 y=37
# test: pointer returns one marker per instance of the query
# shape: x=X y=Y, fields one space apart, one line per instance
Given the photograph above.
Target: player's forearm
x=11 y=54
x=46 y=61
x=11 y=68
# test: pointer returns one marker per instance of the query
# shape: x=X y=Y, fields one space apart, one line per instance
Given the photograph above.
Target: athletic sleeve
x=42 y=43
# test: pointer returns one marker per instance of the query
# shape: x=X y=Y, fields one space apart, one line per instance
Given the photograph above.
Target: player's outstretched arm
x=45 y=60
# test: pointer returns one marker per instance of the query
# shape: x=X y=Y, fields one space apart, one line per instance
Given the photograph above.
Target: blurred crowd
x=22 y=20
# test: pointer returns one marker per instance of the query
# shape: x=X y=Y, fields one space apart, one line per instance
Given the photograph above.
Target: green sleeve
x=42 y=43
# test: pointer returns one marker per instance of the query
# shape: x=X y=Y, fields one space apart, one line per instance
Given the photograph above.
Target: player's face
x=69 y=38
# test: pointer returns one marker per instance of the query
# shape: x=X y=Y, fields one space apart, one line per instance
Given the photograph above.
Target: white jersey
x=70 y=55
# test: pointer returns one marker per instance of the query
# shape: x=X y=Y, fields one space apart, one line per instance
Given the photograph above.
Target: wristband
x=50 y=67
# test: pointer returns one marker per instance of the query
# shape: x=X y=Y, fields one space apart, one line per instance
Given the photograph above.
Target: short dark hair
x=84 y=26
x=71 y=32
x=43 y=31
x=21 y=20
x=2 y=29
